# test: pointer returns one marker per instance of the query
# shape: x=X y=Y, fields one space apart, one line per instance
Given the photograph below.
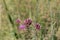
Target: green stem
x=52 y=27
x=28 y=35
x=10 y=19
x=5 y=5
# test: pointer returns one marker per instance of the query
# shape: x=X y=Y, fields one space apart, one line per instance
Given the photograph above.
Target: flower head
x=18 y=21
x=37 y=25
x=22 y=26
x=28 y=21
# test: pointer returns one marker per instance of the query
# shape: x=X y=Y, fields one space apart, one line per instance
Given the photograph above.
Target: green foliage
x=10 y=19
x=37 y=11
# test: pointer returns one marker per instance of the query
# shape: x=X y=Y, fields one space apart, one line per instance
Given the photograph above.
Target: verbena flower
x=28 y=21
x=37 y=25
x=18 y=21
x=22 y=26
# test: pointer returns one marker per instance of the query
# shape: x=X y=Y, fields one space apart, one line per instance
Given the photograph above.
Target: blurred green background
x=45 y=12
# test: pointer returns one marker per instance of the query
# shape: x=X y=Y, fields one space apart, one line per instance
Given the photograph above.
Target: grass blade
x=10 y=19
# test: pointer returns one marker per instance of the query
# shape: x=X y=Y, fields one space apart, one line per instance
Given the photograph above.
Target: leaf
x=54 y=37
x=10 y=19
x=5 y=5
x=16 y=35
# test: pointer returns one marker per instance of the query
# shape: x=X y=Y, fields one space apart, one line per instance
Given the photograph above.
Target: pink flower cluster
x=27 y=22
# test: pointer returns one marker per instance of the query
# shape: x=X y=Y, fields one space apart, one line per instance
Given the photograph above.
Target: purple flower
x=28 y=21
x=37 y=25
x=18 y=21
x=22 y=26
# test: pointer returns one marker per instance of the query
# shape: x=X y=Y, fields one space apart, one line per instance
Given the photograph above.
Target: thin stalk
x=5 y=5
x=18 y=7
x=37 y=9
x=27 y=35
x=10 y=19
x=30 y=11
x=52 y=27
x=37 y=14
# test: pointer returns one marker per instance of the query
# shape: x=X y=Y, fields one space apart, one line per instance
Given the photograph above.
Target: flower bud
x=37 y=25
x=28 y=21
x=18 y=21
